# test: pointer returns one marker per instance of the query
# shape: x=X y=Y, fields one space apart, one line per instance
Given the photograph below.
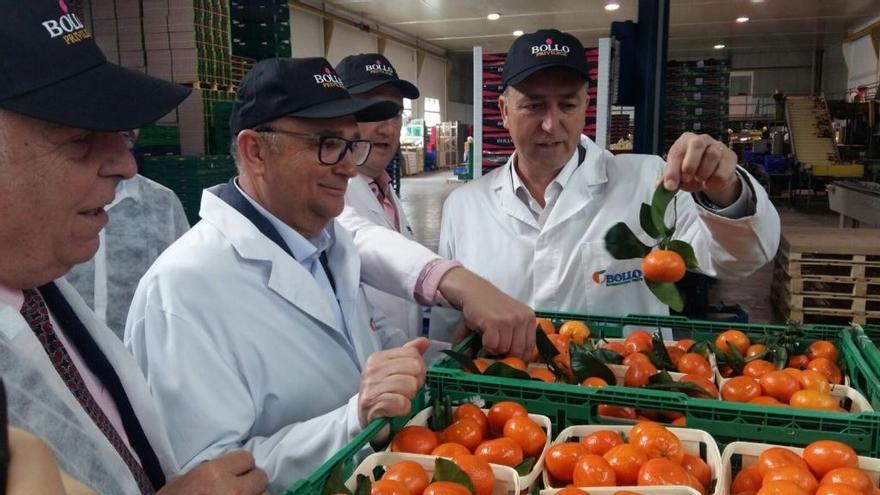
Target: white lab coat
x=41 y=403
x=145 y=218
x=242 y=349
x=564 y=266
x=361 y=205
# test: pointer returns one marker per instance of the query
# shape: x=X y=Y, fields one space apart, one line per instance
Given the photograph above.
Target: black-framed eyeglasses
x=331 y=149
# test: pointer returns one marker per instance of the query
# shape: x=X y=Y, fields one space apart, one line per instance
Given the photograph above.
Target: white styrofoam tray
x=506 y=479
x=421 y=419
x=749 y=452
x=691 y=440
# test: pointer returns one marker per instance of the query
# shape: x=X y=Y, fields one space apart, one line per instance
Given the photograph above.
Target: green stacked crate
x=260 y=28
x=187 y=176
x=158 y=140
x=696 y=98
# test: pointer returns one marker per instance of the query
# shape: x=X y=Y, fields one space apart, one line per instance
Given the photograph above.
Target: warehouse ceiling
x=695 y=25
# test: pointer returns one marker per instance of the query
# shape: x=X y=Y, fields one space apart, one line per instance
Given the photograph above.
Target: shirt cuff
x=743 y=207
x=427 y=291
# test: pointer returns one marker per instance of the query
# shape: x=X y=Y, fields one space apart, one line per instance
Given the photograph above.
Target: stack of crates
x=697 y=98
x=188 y=41
x=187 y=176
x=204 y=122
x=260 y=28
x=117 y=29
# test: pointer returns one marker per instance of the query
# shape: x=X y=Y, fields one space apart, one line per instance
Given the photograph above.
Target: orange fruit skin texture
x=781 y=487
x=500 y=451
x=735 y=338
x=747 y=480
x=779 y=385
x=465 y=431
x=388 y=487
x=546 y=325
x=695 y=364
x=740 y=389
x=561 y=458
x=637 y=341
x=658 y=443
x=501 y=412
x=479 y=471
x=698 y=468
x=575 y=330
x=825 y=455
x=415 y=440
x=446 y=488
x=849 y=476
x=450 y=450
x=528 y=434
x=663 y=266
x=775 y=457
x=570 y=490
x=471 y=411
x=593 y=470
x=626 y=461
x=796 y=474
x=601 y=441
x=408 y=473
x=662 y=472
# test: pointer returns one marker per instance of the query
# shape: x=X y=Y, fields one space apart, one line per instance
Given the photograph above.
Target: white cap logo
x=328 y=79
x=550 y=48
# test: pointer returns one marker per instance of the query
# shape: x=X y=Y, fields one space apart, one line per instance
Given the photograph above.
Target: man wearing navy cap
x=63 y=110
x=370 y=197
x=253 y=329
x=548 y=209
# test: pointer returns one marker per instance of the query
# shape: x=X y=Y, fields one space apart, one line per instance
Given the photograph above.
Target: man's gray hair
x=269 y=138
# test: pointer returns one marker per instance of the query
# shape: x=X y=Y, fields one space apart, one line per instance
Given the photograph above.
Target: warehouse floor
x=423 y=198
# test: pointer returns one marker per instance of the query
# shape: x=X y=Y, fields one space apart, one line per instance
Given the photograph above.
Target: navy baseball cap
x=52 y=70
x=541 y=50
x=299 y=87
x=367 y=71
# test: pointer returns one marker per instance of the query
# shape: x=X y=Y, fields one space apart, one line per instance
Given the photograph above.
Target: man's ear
x=502 y=105
x=251 y=151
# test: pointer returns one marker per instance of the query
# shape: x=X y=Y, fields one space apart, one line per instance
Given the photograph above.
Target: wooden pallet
x=829 y=316
x=856 y=267
x=827 y=285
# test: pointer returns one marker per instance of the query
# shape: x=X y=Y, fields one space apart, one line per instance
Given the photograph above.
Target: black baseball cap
x=299 y=87
x=52 y=70
x=367 y=71
x=540 y=50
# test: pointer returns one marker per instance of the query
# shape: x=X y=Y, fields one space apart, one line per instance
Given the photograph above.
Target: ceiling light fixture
x=719 y=47
x=741 y=19
x=612 y=6
x=518 y=32
x=757 y=1
x=494 y=16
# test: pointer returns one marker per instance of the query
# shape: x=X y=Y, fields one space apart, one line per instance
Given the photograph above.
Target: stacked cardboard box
x=260 y=28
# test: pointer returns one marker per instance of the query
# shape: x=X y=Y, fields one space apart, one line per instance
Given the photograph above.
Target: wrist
x=727 y=196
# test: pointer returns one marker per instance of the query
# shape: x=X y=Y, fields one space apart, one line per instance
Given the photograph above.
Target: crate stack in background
x=828 y=275
x=697 y=98
x=260 y=28
x=188 y=42
x=497 y=143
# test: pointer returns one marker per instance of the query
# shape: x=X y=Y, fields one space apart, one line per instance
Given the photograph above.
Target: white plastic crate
x=641 y=490
x=421 y=419
x=749 y=452
x=506 y=479
x=691 y=440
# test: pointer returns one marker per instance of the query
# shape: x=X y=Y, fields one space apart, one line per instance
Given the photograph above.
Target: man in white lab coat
x=145 y=218
x=70 y=380
x=369 y=195
x=535 y=227
x=253 y=329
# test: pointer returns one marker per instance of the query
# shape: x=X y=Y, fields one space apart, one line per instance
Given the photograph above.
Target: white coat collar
x=362 y=187
x=575 y=195
x=287 y=277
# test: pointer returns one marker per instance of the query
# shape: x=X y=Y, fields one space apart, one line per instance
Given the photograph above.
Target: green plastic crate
x=348 y=456
x=567 y=405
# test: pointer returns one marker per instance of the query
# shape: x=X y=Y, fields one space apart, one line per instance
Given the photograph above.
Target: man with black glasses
x=252 y=329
